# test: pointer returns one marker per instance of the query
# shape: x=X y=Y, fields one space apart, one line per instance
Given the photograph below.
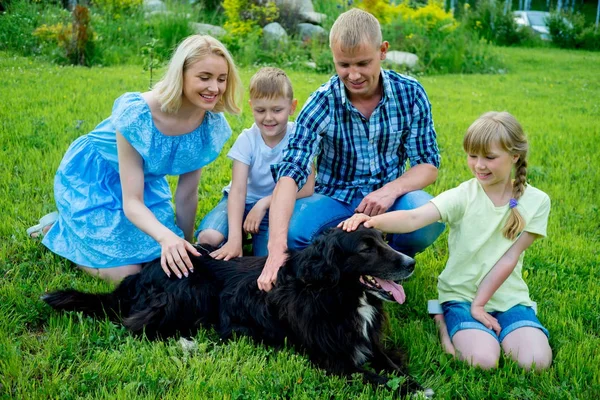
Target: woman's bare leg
x=42 y=233
x=114 y=275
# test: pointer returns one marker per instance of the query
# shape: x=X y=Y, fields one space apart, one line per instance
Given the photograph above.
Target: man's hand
x=377 y=202
x=486 y=319
x=268 y=277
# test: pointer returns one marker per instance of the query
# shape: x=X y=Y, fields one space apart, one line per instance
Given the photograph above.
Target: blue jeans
x=458 y=317
x=312 y=215
x=217 y=219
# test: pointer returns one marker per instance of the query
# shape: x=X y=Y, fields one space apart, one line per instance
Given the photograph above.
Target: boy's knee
x=210 y=236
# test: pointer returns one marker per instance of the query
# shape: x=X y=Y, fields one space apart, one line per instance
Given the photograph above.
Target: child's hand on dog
x=352 y=223
x=228 y=251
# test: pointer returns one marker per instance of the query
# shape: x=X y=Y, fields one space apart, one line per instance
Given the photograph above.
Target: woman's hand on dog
x=228 y=251
x=352 y=223
x=485 y=318
x=174 y=256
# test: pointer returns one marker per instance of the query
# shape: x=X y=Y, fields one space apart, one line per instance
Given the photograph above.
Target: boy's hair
x=269 y=83
x=503 y=129
x=353 y=28
x=169 y=89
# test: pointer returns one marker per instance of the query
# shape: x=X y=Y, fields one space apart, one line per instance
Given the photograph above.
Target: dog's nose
x=410 y=263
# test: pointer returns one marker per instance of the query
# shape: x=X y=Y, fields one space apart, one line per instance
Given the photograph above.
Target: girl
x=493 y=219
x=113 y=199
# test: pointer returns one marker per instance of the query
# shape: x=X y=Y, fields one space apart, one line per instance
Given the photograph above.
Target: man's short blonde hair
x=169 y=89
x=353 y=28
x=269 y=83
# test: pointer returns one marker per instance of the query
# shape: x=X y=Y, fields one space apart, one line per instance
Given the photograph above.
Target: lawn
x=555 y=94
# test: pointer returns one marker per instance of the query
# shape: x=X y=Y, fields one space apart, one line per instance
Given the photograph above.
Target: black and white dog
x=327 y=301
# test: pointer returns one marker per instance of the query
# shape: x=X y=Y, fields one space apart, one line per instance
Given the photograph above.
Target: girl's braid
x=520 y=178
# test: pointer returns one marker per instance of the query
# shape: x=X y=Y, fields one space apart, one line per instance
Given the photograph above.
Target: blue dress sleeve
x=131 y=117
x=216 y=131
x=195 y=150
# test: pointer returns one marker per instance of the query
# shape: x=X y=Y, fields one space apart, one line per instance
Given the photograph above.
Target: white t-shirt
x=476 y=243
x=250 y=149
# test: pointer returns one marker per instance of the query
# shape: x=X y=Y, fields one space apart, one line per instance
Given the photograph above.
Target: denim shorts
x=217 y=220
x=458 y=317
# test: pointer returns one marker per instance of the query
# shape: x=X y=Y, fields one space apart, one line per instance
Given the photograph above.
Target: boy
x=248 y=196
x=362 y=126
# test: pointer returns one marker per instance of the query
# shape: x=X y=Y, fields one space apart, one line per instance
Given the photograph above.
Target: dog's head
x=361 y=256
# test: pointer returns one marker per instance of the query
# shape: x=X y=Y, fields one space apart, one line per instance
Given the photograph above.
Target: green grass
x=555 y=95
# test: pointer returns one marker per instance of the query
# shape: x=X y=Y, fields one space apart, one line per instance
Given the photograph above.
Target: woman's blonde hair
x=169 y=89
x=503 y=129
x=353 y=28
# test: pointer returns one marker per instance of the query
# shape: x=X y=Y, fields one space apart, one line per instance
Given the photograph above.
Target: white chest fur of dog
x=366 y=315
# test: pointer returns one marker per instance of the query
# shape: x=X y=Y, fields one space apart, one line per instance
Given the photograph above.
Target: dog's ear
x=319 y=262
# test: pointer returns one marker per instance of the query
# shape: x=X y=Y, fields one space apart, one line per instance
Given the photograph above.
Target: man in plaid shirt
x=361 y=126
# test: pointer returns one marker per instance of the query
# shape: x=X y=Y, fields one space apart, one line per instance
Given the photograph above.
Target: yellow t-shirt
x=476 y=243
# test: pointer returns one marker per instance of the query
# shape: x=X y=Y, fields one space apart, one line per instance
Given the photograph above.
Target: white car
x=536 y=20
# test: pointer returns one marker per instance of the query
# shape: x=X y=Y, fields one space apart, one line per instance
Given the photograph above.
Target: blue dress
x=92 y=229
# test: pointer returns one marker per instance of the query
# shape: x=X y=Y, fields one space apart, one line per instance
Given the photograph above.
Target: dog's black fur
x=320 y=303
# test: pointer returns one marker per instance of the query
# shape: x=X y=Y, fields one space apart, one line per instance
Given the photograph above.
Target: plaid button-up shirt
x=358 y=154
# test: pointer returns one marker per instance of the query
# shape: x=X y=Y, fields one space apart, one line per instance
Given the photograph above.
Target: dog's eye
x=367 y=249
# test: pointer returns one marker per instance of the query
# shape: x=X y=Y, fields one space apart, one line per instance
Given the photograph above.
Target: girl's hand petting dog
x=486 y=319
x=174 y=255
x=352 y=223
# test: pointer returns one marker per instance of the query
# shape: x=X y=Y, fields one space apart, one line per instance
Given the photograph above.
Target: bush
x=589 y=39
x=117 y=8
x=383 y=10
x=492 y=24
x=16 y=25
x=440 y=42
x=569 y=31
x=244 y=37
x=120 y=31
x=562 y=31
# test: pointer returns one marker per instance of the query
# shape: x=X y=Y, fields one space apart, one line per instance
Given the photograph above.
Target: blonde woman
x=115 y=208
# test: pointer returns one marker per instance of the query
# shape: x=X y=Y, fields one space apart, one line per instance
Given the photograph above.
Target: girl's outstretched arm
x=395 y=221
x=496 y=277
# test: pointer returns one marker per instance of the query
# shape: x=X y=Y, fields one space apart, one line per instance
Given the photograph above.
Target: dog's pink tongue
x=396 y=290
